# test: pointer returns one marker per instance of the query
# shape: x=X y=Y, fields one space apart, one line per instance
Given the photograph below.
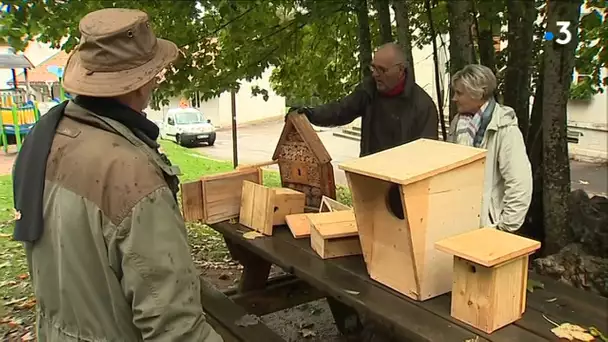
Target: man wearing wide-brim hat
x=97 y=203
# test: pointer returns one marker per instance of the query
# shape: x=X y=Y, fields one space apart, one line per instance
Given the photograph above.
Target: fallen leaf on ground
x=572 y=332
x=533 y=284
x=583 y=182
x=15 y=301
x=28 y=337
x=5 y=235
x=28 y=304
x=551 y=300
x=595 y=332
x=306 y=333
x=8 y=283
x=473 y=339
x=23 y=276
x=247 y=320
x=17 y=214
x=252 y=235
x=354 y=293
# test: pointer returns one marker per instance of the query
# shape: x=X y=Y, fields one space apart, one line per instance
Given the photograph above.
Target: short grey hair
x=478 y=81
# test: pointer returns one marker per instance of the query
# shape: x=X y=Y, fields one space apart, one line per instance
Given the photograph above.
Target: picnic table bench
x=354 y=297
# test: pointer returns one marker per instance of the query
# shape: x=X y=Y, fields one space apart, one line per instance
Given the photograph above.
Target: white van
x=187 y=126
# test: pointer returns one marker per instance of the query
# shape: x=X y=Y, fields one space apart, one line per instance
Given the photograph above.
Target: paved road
x=256 y=144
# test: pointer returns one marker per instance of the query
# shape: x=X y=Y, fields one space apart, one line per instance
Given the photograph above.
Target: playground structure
x=16 y=120
x=18 y=109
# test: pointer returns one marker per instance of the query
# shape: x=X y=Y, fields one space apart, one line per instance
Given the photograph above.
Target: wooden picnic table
x=354 y=297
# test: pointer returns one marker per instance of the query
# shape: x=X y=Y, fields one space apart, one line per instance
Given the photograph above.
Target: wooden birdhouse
x=334 y=234
x=262 y=207
x=407 y=198
x=490 y=276
x=304 y=163
x=215 y=198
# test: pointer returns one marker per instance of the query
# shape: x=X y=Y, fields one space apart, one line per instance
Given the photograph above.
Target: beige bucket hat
x=118 y=53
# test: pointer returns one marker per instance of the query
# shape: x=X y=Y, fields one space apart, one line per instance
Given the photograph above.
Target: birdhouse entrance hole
x=394 y=202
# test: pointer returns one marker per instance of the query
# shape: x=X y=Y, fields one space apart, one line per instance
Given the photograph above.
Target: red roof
x=40 y=74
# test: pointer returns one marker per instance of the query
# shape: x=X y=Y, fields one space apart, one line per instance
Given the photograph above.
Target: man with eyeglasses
x=394 y=110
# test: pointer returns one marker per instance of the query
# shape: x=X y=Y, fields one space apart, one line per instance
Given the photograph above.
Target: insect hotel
x=409 y=197
x=304 y=163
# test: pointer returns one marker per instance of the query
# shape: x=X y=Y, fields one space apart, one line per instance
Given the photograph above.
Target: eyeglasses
x=382 y=70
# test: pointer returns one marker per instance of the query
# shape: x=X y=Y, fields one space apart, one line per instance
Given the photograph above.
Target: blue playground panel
x=23 y=129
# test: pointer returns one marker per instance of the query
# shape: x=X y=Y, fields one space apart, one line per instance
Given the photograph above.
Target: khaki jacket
x=508 y=176
x=113 y=263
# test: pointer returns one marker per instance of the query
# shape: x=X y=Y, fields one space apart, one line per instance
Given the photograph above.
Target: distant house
x=44 y=85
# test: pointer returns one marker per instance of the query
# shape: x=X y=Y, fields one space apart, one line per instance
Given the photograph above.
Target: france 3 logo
x=564 y=35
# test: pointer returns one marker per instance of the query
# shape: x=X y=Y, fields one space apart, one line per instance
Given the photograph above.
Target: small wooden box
x=490 y=276
x=263 y=207
x=407 y=198
x=216 y=198
x=334 y=234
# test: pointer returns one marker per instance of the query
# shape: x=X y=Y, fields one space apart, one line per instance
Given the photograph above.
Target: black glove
x=300 y=110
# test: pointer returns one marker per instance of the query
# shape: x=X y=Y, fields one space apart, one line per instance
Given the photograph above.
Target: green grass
x=207 y=245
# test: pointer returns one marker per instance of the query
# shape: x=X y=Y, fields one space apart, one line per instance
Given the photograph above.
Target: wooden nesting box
x=304 y=163
x=216 y=198
x=263 y=207
x=334 y=234
x=490 y=276
x=407 y=198
x=299 y=224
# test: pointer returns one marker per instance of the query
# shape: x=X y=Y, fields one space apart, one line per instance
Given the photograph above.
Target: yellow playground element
x=17 y=118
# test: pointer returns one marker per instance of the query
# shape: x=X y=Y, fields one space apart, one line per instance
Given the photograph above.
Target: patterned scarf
x=471 y=127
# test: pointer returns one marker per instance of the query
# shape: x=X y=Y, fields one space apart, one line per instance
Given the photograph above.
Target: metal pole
x=235 y=150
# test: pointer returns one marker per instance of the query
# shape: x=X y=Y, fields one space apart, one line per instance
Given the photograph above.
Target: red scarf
x=397 y=89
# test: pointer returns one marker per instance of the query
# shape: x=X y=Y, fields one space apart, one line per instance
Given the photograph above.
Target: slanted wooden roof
x=414 y=161
x=300 y=123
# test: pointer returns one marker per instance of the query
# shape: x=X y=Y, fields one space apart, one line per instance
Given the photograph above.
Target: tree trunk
x=429 y=13
x=365 y=40
x=485 y=33
x=404 y=34
x=384 y=19
x=559 y=64
x=533 y=226
x=461 y=49
x=521 y=15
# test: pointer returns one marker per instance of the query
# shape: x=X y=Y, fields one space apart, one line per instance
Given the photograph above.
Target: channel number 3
x=565 y=36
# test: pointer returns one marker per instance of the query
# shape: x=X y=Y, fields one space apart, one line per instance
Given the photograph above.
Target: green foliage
x=583 y=91
x=592 y=52
x=311 y=44
x=322 y=64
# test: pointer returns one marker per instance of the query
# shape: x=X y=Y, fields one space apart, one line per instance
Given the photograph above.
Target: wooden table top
x=347 y=280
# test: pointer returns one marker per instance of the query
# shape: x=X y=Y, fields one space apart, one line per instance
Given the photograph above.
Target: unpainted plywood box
x=334 y=234
x=216 y=198
x=263 y=207
x=490 y=277
x=407 y=198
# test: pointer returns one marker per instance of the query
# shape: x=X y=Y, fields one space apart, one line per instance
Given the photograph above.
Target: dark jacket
x=386 y=122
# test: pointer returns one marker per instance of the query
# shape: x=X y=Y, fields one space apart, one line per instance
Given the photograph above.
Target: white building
x=249 y=108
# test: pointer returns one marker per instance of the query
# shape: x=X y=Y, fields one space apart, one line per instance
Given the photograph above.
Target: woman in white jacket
x=483 y=123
